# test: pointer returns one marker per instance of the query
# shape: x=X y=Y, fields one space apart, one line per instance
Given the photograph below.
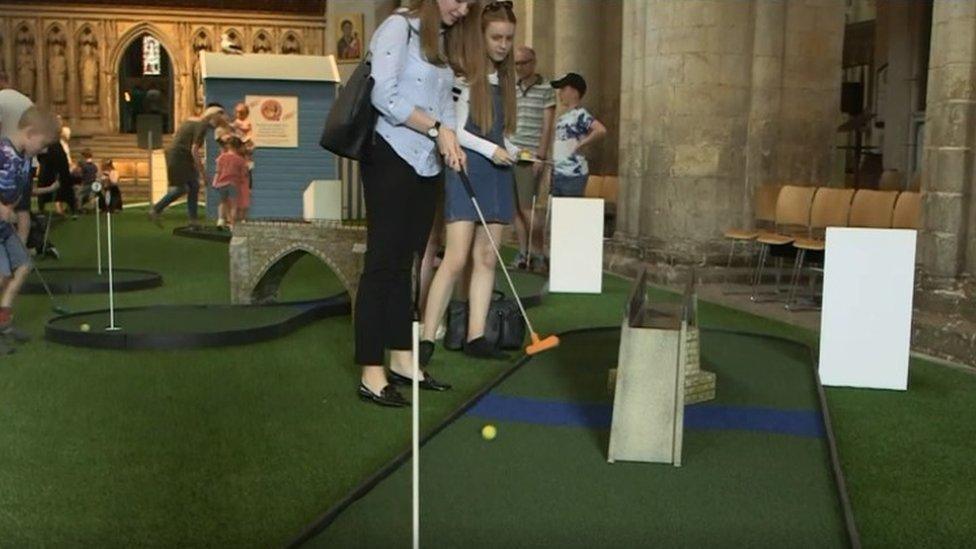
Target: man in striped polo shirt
x=536 y=109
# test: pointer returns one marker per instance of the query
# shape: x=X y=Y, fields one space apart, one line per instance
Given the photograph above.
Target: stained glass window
x=151 y=65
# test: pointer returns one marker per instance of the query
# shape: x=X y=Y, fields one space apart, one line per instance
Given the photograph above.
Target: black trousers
x=399 y=213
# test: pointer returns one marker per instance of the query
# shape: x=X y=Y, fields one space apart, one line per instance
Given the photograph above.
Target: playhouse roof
x=263 y=66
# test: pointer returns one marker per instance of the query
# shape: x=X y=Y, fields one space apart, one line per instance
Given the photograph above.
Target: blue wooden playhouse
x=275 y=84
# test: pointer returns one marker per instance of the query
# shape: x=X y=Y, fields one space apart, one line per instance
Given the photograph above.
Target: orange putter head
x=540 y=345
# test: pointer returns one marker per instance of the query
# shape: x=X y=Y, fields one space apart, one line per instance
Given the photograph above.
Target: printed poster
x=274 y=120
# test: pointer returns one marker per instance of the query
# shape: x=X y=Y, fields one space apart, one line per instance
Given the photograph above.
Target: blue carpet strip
x=800 y=423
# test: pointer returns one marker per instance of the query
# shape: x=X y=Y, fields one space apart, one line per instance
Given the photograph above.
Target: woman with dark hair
x=413 y=141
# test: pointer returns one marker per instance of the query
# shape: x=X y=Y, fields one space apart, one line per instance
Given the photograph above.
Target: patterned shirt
x=571 y=128
x=14 y=179
x=534 y=95
x=403 y=80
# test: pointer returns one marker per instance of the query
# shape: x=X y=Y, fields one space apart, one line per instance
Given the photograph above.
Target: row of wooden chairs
x=795 y=222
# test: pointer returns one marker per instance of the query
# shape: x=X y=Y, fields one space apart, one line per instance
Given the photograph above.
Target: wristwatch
x=434 y=132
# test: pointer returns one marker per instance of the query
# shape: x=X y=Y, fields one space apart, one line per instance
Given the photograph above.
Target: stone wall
x=947 y=248
x=717 y=98
x=261 y=252
x=49 y=51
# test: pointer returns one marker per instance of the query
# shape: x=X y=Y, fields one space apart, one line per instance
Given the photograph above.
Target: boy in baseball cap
x=575 y=128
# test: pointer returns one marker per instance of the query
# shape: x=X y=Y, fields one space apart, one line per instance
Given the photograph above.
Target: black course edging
x=85 y=284
x=330 y=515
x=307 y=312
x=203 y=233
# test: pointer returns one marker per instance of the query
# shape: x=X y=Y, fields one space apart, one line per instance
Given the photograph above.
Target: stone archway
x=145 y=92
x=177 y=67
x=262 y=252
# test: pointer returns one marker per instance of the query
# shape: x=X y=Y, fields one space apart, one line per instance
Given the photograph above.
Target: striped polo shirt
x=534 y=96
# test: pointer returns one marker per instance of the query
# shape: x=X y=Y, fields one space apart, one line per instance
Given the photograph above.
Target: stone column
x=719 y=97
x=945 y=244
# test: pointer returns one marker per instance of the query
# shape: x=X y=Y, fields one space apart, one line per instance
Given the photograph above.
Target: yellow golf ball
x=85 y=327
x=488 y=432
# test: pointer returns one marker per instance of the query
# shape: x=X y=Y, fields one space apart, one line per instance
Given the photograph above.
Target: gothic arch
x=266 y=37
x=124 y=41
x=176 y=59
x=291 y=43
x=235 y=36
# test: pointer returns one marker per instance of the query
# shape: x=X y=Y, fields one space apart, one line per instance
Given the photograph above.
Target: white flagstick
x=415 y=399
x=111 y=288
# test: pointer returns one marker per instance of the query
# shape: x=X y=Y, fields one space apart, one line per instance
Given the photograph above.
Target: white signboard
x=274 y=120
x=576 y=245
x=866 y=323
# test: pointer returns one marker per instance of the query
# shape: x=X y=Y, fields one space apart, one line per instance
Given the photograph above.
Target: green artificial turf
x=245 y=446
x=551 y=486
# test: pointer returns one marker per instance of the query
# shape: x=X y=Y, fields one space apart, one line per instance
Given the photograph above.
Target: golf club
x=538 y=344
x=47 y=232
x=54 y=304
x=529 y=236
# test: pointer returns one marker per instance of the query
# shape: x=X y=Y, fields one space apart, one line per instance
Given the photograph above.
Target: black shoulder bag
x=351 y=121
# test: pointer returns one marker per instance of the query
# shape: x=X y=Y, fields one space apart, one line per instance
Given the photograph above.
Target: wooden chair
x=610 y=189
x=594 y=187
x=792 y=219
x=892 y=180
x=872 y=209
x=907 y=214
x=916 y=184
x=764 y=204
x=830 y=208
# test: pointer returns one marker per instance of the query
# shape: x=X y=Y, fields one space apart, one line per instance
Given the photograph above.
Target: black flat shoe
x=480 y=348
x=427 y=384
x=389 y=396
x=426 y=351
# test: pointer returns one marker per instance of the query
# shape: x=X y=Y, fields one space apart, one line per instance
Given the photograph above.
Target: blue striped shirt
x=403 y=81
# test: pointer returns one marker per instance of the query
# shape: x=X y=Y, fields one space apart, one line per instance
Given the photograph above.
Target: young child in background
x=244 y=129
x=34 y=131
x=88 y=172
x=575 y=128
x=230 y=177
x=110 y=199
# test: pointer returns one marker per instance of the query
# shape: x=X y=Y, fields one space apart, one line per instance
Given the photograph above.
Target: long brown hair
x=469 y=58
x=430 y=30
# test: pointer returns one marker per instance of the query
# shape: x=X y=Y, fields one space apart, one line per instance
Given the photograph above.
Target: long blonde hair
x=430 y=30
x=469 y=58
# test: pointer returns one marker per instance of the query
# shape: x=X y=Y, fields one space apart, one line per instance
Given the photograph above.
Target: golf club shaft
x=531 y=227
x=47 y=231
x=474 y=200
x=47 y=289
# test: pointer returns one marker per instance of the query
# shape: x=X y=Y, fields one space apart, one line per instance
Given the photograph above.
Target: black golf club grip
x=467 y=183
